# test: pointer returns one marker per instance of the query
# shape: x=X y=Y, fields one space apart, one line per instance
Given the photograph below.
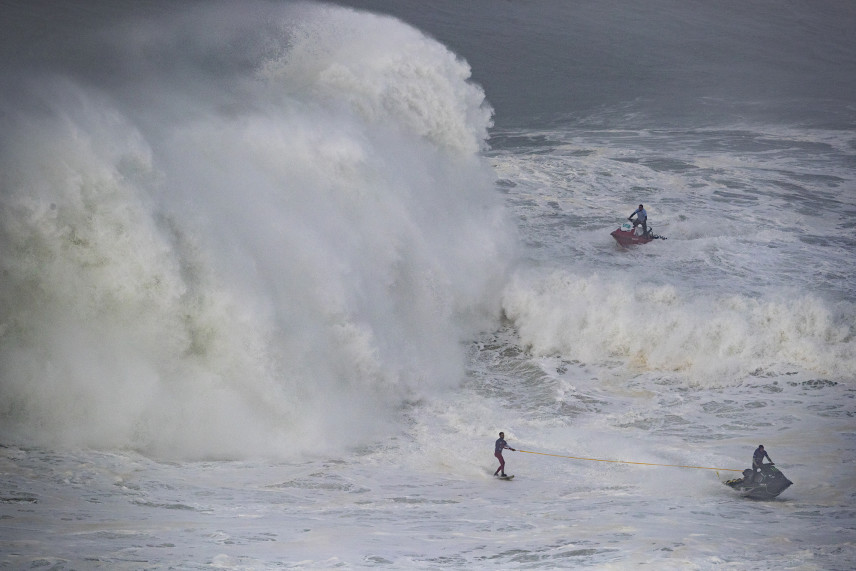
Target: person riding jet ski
x=761 y=481
x=641 y=219
x=758 y=459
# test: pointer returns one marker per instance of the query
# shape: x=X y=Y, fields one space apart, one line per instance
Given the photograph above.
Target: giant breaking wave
x=248 y=230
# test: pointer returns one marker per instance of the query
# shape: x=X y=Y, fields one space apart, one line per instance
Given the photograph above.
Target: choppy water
x=275 y=275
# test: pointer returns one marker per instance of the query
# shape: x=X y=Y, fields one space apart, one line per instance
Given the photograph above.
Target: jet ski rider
x=641 y=219
x=758 y=458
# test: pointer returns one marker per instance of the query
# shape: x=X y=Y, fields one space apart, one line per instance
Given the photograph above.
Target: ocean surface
x=273 y=276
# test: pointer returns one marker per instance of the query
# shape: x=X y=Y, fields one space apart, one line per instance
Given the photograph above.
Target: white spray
x=264 y=256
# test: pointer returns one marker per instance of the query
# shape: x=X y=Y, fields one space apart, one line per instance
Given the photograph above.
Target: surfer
x=641 y=219
x=758 y=458
x=501 y=445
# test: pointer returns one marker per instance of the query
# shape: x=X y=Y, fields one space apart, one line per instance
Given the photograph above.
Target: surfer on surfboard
x=501 y=445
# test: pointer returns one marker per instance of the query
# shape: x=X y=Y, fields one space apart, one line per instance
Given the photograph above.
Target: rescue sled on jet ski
x=628 y=235
x=763 y=485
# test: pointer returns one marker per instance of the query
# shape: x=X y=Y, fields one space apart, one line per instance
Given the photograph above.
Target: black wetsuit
x=758 y=458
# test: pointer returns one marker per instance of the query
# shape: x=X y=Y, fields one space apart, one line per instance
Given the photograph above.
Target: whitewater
x=274 y=275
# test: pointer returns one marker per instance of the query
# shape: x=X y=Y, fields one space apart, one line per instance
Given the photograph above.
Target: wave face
x=245 y=230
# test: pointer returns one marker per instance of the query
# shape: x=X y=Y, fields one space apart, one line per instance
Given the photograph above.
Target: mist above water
x=252 y=231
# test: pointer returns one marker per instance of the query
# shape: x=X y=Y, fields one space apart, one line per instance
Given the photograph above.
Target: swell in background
x=664 y=62
x=238 y=230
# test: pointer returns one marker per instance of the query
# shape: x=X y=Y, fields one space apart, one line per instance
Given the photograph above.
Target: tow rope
x=627 y=462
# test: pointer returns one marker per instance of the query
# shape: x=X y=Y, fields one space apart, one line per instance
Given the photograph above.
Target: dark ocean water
x=667 y=62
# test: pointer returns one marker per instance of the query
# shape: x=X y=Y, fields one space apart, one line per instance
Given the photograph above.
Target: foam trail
x=265 y=233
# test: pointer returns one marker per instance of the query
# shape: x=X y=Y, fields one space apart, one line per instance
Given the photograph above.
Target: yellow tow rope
x=626 y=462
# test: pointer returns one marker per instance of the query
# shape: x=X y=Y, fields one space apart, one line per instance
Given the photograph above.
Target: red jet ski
x=627 y=235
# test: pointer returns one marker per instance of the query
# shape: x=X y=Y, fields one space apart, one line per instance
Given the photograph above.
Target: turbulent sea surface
x=273 y=276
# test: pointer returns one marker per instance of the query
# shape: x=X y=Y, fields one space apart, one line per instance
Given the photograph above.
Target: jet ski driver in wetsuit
x=758 y=458
x=641 y=219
